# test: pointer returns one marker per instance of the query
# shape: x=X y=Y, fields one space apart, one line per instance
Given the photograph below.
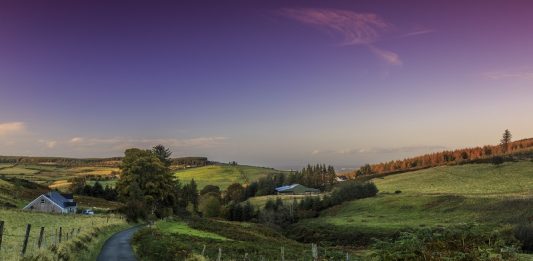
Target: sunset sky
x=270 y=83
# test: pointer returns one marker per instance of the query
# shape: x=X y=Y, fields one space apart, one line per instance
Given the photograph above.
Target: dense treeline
x=458 y=156
x=70 y=162
x=80 y=187
x=279 y=213
x=282 y=214
x=318 y=176
x=107 y=162
x=192 y=161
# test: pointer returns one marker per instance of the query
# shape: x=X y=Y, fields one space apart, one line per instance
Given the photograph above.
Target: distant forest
x=100 y=162
x=460 y=156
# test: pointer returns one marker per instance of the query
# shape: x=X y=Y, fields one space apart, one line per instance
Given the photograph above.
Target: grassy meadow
x=172 y=239
x=15 y=222
x=55 y=176
x=223 y=175
x=475 y=193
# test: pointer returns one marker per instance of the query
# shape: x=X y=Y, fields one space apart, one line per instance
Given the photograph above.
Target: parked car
x=87 y=212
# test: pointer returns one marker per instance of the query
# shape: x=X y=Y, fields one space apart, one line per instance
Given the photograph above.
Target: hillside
x=223 y=175
x=92 y=229
x=442 y=196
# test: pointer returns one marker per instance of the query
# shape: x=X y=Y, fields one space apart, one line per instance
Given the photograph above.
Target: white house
x=53 y=202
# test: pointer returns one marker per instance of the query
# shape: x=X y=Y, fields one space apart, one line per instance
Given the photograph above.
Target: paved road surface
x=118 y=247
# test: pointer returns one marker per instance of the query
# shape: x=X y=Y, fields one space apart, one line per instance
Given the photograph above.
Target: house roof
x=60 y=199
x=294 y=186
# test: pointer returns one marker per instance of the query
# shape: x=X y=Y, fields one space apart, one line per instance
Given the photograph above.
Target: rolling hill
x=485 y=194
x=223 y=175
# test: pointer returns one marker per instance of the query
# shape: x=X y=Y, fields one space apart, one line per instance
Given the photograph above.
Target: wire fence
x=33 y=238
x=16 y=241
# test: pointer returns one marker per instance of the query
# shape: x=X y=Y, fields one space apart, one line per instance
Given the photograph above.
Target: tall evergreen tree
x=163 y=154
x=506 y=139
x=150 y=175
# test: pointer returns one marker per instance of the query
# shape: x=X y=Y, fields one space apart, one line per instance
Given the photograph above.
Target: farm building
x=296 y=189
x=53 y=202
x=341 y=178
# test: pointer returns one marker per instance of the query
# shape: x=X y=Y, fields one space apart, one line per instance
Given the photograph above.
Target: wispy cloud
x=353 y=28
x=382 y=150
x=8 y=128
x=387 y=56
x=419 y=32
x=124 y=143
x=48 y=143
x=501 y=75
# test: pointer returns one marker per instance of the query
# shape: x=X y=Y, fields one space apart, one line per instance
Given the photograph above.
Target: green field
x=260 y=201
x=475 y=193
x=52 y=175
x=234 y=239
x=223 y=175
x=180 y=227
x=15 y=222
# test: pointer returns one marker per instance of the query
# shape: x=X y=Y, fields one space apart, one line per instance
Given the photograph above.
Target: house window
x=42 y=201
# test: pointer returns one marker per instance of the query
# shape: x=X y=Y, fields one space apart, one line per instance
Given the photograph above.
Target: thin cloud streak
x=377 y=150
x=8 y=128
x=354 y=28
x=420 y=32
x=387 y=56
x=124 y=143
x=501 y=75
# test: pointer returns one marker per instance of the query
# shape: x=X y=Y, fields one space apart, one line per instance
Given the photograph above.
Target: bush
x=464 y=242
x=209 y=205
x=524 y=233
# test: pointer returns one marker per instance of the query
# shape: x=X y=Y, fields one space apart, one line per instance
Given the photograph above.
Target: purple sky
x=277 y=83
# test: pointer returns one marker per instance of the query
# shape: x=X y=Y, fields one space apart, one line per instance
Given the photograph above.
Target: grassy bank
x=15 y=222
x=177 y=239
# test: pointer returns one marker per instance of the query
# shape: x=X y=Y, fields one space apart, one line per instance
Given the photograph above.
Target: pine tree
x=506 y=139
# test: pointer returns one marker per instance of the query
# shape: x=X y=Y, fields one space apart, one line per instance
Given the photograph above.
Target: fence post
x=219 y=254
x=314 y=250
x=347 y=256
x=60 y=234
x=41 y=234
x=1 y=232
x=25 y=244
x=282 y=254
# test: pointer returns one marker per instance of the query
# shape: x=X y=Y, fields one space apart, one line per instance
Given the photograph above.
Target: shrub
x=209 y=205
x=464 y=242
x=524 y=233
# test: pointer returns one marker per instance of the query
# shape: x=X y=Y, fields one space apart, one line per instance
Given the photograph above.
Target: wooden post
x=282 y=254
x=25 y=243
x=41 y=234
x=60 y=234
x=347 y=256
x=314 y=250
x=1 y=232
x=219 y=258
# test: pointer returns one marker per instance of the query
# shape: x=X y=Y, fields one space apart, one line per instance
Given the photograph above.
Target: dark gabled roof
x=60 y=199
x=293 y=187
x=68 y=196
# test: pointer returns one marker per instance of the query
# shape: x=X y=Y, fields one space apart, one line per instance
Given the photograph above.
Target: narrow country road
x=118 y=246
